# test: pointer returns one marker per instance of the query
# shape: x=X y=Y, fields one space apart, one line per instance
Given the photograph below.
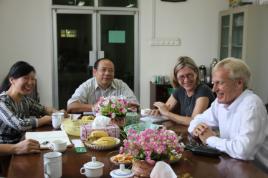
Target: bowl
x=139 y=127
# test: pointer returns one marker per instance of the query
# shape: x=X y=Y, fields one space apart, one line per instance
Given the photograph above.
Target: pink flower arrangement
x=112 y=106
x=152 y=145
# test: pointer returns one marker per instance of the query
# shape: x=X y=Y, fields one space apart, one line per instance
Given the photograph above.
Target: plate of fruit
x=100 y=140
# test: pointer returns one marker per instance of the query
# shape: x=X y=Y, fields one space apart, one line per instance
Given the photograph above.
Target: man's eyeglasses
x=103 y=70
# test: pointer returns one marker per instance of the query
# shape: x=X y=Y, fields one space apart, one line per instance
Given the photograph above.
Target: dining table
x=189 y=166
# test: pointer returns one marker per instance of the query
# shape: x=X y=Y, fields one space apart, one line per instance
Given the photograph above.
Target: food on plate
x=122 y=159
x=83 y=121
x=101 y=138
x=87 y=119
x=105 y=141
x=98 y=134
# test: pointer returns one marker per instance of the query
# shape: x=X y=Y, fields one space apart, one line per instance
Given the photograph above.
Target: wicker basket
x=98 y=147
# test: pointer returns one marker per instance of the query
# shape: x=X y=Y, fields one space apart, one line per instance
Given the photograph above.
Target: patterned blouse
x=16 y=118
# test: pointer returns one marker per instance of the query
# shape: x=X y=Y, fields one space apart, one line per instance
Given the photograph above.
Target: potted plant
x=150 y=146
x=113 y=107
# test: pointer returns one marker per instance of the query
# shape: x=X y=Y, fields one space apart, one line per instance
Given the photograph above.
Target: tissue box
x=112 y=129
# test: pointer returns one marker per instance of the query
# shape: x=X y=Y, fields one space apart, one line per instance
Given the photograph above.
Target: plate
x=121 y=159
x=154 y=119
x=98 y=147
x=72 y=127
x=74 y=131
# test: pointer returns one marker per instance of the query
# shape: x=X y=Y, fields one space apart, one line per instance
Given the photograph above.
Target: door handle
x=100 y=54
x=92 y=58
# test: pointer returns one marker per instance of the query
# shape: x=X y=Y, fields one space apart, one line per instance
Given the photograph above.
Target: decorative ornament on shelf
x=113 y=107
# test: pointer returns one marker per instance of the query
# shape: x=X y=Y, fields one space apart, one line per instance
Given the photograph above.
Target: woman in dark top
x=19 y=112
x=190 y=95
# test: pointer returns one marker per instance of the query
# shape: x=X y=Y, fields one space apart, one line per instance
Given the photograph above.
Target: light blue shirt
x=89 y=92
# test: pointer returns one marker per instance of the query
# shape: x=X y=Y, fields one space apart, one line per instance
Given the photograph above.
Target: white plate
x=154 y=119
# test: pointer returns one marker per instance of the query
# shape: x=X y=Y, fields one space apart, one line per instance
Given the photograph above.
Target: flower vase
x=141 y=168
x=120 y=121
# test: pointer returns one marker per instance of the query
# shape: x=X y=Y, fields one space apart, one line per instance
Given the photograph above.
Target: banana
x=86 y=119
x=98 y=134
x=105 y=141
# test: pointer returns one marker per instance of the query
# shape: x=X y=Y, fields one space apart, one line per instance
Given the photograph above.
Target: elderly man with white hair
x=238 y=113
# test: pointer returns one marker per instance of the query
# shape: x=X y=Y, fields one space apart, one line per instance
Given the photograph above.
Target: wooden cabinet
x=159 y=92
x=243 y=34
x=232 y=30
x=241 y=30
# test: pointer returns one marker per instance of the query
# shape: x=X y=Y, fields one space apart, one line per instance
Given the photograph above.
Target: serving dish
x=103 y=147
x=72 y=127
x=121 y=159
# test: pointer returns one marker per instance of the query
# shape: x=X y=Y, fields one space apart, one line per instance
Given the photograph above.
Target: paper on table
x=45 y=138
x=154 y=119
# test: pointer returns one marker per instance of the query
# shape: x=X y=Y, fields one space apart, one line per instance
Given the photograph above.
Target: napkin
x=162 y=169
x=100 y=122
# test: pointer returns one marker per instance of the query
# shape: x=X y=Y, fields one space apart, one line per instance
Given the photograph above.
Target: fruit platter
x=100 y=140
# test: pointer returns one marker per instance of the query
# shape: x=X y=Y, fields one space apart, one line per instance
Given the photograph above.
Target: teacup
x=53 y=164
x=58 y=145
x=93 y=169
x=122 y=172
x=57 y=118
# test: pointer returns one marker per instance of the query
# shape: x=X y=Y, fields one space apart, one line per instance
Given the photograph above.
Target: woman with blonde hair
x=192 y=96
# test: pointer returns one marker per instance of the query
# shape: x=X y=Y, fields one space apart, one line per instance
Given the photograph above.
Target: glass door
x=225 y=32
x=81 y=36
x=117 y=42
x=74 y=41
x=237 y=35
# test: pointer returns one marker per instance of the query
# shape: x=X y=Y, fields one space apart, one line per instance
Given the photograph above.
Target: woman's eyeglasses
x=183 y=77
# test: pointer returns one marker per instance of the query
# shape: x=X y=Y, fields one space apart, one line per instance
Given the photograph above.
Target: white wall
x=195 y=22
x=25 y=33
x=261 y=80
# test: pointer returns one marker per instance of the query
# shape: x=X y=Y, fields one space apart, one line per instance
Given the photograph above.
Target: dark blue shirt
x=186 y=103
